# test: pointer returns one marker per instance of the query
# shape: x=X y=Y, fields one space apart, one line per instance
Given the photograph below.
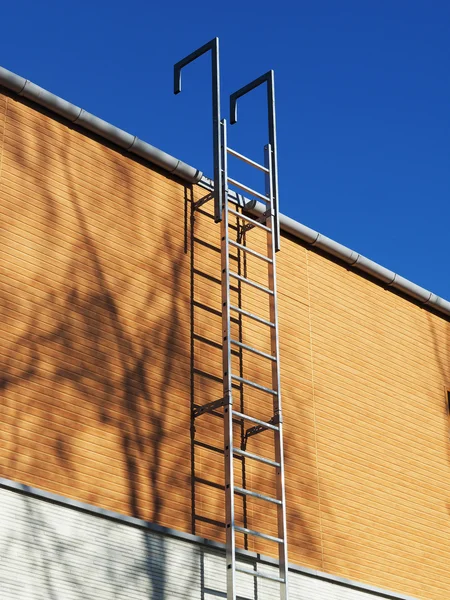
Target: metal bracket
x=248 y=226
x=213 y=45
x=258 y=429
x=210 y=406
x=203 y=201
x=270 y=80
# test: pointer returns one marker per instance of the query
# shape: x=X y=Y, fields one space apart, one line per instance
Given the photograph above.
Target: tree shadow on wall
x=88 y=354
x=95 y=384
x=60 y=552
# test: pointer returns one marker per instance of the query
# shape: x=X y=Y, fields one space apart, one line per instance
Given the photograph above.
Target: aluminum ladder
x=225 y=208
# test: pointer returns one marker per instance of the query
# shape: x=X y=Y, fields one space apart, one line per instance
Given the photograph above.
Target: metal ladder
x=268 y=222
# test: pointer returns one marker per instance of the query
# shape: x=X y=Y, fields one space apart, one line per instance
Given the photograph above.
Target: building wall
x=53 y=551
x=110 y=332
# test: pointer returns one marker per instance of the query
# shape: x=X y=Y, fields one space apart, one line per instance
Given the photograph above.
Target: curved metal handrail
x=212 y=46
x=268 y=78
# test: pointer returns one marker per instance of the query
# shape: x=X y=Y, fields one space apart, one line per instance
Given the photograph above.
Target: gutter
x=74 y=114
x=79 y=116
x=350 y=257
x=361 y=263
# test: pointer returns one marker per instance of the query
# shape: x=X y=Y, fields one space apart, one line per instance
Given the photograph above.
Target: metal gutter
x=361 y=263
x=355 y=260
x=88 y=121
x=27 y=89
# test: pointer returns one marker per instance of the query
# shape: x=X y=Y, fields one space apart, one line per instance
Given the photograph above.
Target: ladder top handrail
x=272 y=164
x=213 y=46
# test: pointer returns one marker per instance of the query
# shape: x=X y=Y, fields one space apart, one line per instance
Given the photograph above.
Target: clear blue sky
x=363 y=98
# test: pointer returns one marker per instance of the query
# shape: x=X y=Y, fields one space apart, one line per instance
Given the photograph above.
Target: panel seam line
x=3 y=137
x=314 y=407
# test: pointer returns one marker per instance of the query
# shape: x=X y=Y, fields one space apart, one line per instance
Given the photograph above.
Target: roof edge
x=353 y=259
x=75 y=114
x=360 y=263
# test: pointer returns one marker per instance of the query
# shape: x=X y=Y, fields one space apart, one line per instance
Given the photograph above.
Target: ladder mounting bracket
x=249 y=226
x=258 y=429
x=203 y=201
x=210 y=406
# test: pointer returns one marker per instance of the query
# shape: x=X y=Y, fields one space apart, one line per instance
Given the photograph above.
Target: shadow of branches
x=98 y=368
x=95 y=356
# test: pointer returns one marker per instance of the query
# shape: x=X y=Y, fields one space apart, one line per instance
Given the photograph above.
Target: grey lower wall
x=50 y=551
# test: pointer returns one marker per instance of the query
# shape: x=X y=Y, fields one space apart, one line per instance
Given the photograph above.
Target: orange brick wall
x=110 y=329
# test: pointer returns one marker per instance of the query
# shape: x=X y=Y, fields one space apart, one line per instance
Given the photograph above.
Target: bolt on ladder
x=269 y=223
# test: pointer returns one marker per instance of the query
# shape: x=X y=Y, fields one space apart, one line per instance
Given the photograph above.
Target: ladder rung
x=251 y=349
x=243 y=492
x=252 y=283
x=250 y=251
x=261 y=459
x=248 y=189
x=241 y=311
x=253 y=420
x=247 y=160
x=248 y=219
x=260 y=534
x=260 y=574
x=256 y=386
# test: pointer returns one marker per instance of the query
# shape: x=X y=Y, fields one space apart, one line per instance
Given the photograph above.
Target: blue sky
x=363 y=99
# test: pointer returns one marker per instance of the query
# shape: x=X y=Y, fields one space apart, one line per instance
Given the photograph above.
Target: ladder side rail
x=227 y=383
x=276 y=385
x=269 y=79
x=212 y=46
x=274 y=155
